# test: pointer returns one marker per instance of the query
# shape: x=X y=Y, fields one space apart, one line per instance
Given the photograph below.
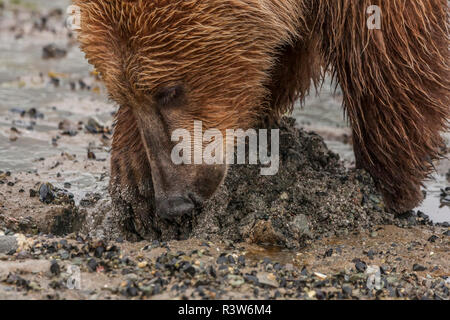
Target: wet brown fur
x=247 y=60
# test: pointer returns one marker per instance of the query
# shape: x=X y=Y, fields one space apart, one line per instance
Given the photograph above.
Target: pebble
x=284 y=196
x=132 y=291
x=51 y=51
x=68 y=128
x=64 y=255
x=347 y=290
x=99 y=252
x=418 y=267
x=289 y=267
x=46 y=194
x=360 y=266
x=91 y=155
x=55 y=268
x=8 y=244
x=433 y=238
x=92 y=265
x=267 y=279
x=301 y=225
x=251 y=279
x=373 y=274
x=189 y=269
x=93 y=126
x=212 y=272
x=235 y=280
x=328 y=253
x=321 y=276
x=222 y=259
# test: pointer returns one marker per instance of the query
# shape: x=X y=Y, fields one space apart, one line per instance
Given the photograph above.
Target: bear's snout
x=170 y=208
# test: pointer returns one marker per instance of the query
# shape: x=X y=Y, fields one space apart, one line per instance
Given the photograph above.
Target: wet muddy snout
x=179 y=188
x=172 y=207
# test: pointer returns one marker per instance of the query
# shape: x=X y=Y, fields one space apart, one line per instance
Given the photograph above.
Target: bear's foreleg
x=395 y=80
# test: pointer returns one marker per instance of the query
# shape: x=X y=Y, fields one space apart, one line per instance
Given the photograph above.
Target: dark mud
x=312 y=195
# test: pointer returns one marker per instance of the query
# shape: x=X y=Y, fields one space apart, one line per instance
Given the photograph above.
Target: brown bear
x=241 y=63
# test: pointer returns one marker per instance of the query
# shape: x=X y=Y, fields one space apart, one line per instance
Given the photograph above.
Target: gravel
x=192 y=270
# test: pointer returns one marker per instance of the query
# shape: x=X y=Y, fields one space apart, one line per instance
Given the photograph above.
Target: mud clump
x=313 y=195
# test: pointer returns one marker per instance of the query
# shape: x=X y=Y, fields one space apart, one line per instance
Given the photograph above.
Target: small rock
x=347 y=290
x=64 y=255
x=132 y=291
x=301 y=225
x=289 y=267
x=99 y=251
x=51 y=51
x=189 y=269
x=33 y=193
x=371 y=254
x=361 y=266
x=433 y=238
x=91 y=155
x=321 y=276
x=267 y=279
x=55 y=268
x=284 y=196
x=418 y=267
x=212 y=272
x=93 y=126
x=304 y=271
x=222 y=259
x=329 y=253
x=241 y=260
x=235 y=280
x=92 y=265
x=373 y=274
x=68 y=128
x=8 y=244
x=251 y=279
x=46 y=194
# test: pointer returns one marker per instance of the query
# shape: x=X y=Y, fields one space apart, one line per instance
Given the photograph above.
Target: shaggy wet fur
x=244 y=61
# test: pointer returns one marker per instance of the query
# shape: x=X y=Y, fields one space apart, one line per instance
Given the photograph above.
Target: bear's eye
x=170 y=96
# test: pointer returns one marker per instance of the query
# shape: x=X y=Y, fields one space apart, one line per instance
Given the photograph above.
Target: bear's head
x=171 y=63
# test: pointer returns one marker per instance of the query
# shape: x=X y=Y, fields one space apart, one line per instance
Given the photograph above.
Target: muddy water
x=26 y=82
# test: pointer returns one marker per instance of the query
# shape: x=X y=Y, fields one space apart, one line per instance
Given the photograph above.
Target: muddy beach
x=317 y=230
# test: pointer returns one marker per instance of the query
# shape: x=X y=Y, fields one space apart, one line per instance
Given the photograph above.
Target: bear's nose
x=169 y=208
